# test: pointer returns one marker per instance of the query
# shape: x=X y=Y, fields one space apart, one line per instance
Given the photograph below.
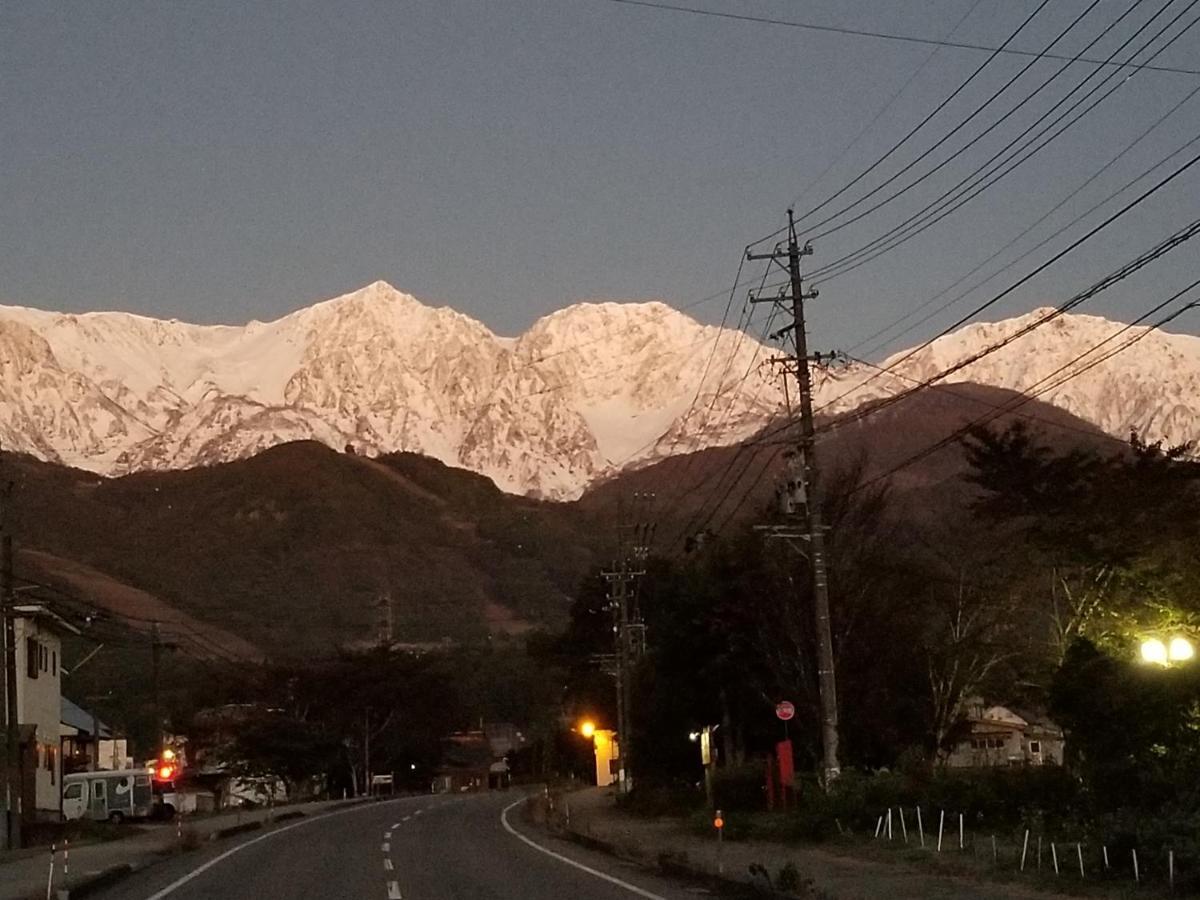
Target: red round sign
x=784 y=710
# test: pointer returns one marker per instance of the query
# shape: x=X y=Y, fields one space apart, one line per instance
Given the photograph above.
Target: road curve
x=415 y=848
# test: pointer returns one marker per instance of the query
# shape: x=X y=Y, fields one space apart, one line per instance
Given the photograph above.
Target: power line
x=880 y=35
x=947 y=203
x=1161 y=249
x=916 y=128
x=983 y=420
x=831 y=217
x=1028 y=229
x=883 y=109
x=1011 y=407
x=1028 y=277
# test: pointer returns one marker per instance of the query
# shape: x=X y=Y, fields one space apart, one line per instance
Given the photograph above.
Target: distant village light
x=1155 y=651
x=1180 y=649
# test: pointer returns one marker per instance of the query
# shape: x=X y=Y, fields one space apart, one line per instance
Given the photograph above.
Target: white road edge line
x=394 y=891
x=182 y=880
x=632 y=888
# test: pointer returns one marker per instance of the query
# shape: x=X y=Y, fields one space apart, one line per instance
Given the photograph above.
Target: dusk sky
x=221 y=161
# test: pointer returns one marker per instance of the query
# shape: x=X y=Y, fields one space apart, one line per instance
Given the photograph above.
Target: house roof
x=44 y=616
x=81 y=719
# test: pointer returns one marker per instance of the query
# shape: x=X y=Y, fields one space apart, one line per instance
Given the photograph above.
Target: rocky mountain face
x=585 y=392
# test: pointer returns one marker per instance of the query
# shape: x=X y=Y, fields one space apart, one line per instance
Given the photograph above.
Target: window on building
x=53 y=662
x=1035 y=746
x=31 y=657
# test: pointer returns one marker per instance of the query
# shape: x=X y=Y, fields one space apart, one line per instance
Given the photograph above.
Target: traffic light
x=165 y=767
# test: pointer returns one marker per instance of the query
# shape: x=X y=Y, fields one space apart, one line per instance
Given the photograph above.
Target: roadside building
x=476 y=760
x=39 y=710
x=1002 y=736
x=83 y=735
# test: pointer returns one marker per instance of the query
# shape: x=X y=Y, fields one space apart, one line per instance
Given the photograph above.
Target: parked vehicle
x=108 y=796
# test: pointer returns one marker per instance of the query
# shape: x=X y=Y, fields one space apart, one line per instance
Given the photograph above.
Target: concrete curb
x=98 y=882
x=232 y=830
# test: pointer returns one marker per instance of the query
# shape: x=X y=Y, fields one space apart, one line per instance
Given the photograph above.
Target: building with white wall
x=39 y=709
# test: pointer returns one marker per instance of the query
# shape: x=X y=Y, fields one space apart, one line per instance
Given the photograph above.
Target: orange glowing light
x=165 y=772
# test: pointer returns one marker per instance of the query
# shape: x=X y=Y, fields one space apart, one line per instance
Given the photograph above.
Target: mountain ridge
x=584 y=392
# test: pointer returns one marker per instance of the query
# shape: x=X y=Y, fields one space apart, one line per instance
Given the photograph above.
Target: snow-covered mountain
x=585 y=391
x=1118 y=377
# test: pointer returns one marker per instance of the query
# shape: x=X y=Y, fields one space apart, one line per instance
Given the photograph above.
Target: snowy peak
x=584 y=392
x=1116 y=376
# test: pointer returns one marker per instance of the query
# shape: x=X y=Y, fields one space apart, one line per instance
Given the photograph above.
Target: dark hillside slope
x=301 y=549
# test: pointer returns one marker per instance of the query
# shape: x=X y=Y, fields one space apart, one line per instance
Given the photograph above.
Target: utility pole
x=629 y=630
x=814 y=526
x=12 y=750
x=156 y=666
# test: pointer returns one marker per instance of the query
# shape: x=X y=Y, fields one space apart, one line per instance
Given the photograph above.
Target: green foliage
x=1134 y=730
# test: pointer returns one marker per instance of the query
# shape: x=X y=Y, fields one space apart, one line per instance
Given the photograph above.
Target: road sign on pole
x=784 y=710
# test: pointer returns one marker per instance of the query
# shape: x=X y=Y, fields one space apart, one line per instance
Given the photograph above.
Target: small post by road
x=920 y=827
x=719 y=824
x=941 y=828
x=50 y=877
x=1024 y=849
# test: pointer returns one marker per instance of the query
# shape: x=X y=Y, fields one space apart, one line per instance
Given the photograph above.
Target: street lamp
x=1178 y=650
x=1154 y=651
x=587 y=728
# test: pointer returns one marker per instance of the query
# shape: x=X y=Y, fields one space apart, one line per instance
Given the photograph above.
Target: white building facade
x=39 y=710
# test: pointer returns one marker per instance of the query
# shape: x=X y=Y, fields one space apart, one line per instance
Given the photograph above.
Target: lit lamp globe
x=1154 y=651
x=587 y=728
x=1180 y=649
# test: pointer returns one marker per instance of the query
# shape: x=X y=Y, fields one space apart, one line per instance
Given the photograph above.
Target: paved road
x=416 y=848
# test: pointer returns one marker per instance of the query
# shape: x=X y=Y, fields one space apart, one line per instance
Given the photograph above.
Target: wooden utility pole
x=808 y=487
x=156 y=667
x=628 y=629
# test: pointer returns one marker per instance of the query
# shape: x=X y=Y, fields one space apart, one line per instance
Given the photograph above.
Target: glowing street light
x=1180 y=649
x=587 y=728
x=1154 y=651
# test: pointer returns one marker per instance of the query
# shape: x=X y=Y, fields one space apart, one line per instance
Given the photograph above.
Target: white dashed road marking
x=387 y=848
x=406 y=818
x=303 y=823
x=394 y=891
x=387 y=864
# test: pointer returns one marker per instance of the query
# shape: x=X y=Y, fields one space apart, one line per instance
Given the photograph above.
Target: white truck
x=108 y=796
